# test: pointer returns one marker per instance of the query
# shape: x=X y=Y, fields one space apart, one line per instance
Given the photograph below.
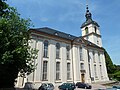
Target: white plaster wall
x=105 y=75
x=92 y=38
x=63 y=63
x=87 y=76
x=91 y=62
x=76 y=63
x=52 y=62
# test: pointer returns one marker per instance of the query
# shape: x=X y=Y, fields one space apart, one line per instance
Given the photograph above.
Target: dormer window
x=86 y=30
x=56 y=33
x=69 y=35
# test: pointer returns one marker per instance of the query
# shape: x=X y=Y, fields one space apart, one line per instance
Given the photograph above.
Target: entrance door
x=82 y=77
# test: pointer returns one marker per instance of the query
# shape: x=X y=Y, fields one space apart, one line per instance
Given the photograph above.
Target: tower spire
x=88 y=15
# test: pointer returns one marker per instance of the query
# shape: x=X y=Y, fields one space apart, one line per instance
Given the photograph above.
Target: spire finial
x=87 y=10
x=87 y=4
x=88 y=14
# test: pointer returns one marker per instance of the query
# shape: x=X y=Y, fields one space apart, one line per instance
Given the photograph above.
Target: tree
x=3 y=7
x=112 y=69
x=109 y=63
x=15 y=53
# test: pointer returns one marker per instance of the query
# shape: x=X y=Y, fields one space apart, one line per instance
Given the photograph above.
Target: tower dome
x=89 y=20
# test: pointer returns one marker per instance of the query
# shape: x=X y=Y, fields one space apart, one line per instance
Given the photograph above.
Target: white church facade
x=66 y=58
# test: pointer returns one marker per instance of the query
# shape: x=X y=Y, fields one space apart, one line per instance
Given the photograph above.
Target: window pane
x=93 y=56
x=95 y=71
x=86 y=30
x=81 y=55
x=101 y=70
x=57 y=70
x=95 y=29
x=68 y=71
x=99 y=57
x=46 y=49
x=44 y=70
x=57 y=50
x=68 y=52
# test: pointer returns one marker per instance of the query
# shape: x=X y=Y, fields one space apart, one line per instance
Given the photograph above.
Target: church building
x=66 y=58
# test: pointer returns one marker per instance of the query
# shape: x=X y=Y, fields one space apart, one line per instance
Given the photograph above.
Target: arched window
x=95 y=29
x=57 y=70
x=81 y=54
x=101 y=71
x=45 y=48
x=94 y=56
x=57 y=50
x=68 y=52
x=95 y=71
x=86 y=30
x=99 y=57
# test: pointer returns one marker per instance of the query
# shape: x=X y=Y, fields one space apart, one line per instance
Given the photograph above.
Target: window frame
x=68 y=52
x=86 y=30
x=57 y=51
x=46 y=45
x=57 y=70
x=95 y=70
x=81 y=53
x=68 y=71
x=44 y=72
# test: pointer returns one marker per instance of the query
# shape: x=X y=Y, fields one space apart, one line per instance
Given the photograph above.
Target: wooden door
x=82 y=77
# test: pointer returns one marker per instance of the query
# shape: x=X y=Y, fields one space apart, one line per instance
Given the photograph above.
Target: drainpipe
x=72 y=59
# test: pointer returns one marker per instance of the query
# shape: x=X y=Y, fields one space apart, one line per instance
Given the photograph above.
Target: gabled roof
x=55 y=33
x=86 y=42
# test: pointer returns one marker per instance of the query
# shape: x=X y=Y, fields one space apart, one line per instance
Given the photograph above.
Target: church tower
x=90 y=29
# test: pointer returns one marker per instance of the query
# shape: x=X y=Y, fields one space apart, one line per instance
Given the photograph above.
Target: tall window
x=86 y=30
x=97 y=40
x=95 y=71
x=99 y=57
x=82 y=66
x=101 y=71
x=57 y=50
x=68 y=71
x=94 y=56
x=45 y=48
x=68 y=52
x=57 y=70
x=44 y=76
x=81 y=55
x=95 y=29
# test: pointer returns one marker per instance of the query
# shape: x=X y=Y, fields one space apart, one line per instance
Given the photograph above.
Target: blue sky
x=68 y=15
